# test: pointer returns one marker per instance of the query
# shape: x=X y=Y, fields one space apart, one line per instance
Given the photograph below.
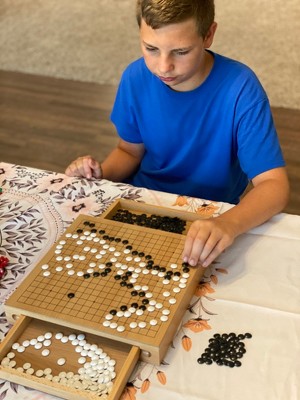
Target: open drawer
x=26 y=362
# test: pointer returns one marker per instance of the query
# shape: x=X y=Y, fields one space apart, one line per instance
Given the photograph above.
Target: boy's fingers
x=94 y=168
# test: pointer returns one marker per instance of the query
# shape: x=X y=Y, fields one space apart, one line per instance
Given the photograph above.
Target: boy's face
x=176 y=53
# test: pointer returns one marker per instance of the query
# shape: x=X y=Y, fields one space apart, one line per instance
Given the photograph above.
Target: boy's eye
x=182 y=52
x=151 y=49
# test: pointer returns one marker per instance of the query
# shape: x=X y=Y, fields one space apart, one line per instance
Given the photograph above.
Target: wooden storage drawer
x=27 y=328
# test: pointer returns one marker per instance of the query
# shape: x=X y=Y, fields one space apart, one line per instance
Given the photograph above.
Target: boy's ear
x=209 y=38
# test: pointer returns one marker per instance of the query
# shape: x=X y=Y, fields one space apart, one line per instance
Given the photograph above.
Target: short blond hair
x=158 y=13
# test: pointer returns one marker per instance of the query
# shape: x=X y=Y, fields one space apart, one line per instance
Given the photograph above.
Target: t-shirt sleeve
x=258 y=144
x=123 y=114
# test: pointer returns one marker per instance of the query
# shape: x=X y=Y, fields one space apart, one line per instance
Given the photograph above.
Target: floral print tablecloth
x=253 y=287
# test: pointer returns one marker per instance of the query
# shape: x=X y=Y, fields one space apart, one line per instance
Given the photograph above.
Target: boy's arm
x=122 y=162
x=207 y=239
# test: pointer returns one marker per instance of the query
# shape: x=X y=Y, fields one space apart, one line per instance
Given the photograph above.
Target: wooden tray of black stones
x=119 y=276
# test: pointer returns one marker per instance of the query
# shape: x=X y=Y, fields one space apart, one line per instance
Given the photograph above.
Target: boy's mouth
x=167 y=79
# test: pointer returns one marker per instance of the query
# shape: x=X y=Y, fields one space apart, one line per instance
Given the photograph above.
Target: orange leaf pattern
x=214 y=279
x=207 y=210
x=145 y=386
x=203 y=289
x=186 y=343
x=161 y=377
x=197 y=325
x=181 y=201
x=129 y=393
x=222 y=270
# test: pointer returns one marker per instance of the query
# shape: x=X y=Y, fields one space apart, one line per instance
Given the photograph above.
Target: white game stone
x=71 y=272
x=59 y=335
x=81 y=336
x=5 y=361
x=127 y=314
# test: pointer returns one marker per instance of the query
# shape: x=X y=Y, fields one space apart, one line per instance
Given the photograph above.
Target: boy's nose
x=165 y=65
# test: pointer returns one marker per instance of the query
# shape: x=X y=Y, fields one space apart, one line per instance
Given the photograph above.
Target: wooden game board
x=84 y=302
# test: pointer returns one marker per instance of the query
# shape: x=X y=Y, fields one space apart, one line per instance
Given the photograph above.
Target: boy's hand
x=86 y=167
x=206 y=239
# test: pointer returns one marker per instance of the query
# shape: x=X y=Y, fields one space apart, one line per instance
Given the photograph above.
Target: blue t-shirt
x=207 y=142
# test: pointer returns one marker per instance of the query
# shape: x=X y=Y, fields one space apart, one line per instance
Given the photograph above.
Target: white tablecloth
x=253 y=287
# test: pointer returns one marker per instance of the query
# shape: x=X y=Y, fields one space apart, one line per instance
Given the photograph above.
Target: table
x=252 y=287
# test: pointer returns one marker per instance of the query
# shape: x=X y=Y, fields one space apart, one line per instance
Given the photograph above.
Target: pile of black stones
x=168 y=224
x=225 y=349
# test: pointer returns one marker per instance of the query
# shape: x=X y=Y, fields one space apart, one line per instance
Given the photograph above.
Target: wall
x=93 y=40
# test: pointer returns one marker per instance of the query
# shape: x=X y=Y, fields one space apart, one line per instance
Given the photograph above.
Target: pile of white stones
x=96 y=370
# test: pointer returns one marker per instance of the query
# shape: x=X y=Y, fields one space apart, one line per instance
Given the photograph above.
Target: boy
x=195 y=123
